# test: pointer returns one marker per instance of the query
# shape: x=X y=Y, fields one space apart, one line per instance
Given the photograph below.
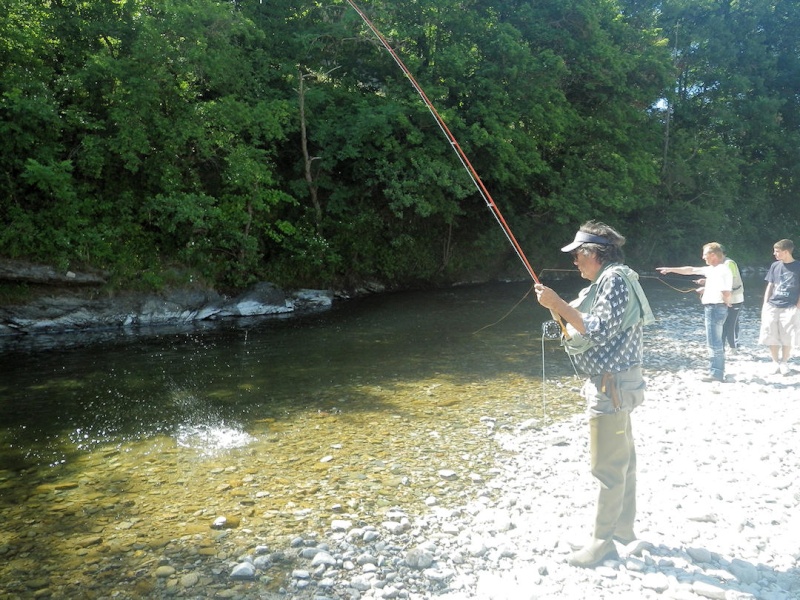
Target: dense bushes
x=248 y=140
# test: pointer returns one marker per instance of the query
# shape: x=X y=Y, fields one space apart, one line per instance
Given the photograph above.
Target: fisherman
x=603 y=333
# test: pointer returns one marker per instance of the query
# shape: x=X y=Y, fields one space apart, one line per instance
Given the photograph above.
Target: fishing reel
x=551 y=330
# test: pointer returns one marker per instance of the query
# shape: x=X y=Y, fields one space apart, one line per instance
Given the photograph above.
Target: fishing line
x=544 y=379
x=503 y=318
x=513 y=308
x=659 y=279
x=672 y=287
x=487 y=197
x=551 y=330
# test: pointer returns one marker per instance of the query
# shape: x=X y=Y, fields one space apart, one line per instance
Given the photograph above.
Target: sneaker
x=775 y=369
x=712 y=378
x=784 y=369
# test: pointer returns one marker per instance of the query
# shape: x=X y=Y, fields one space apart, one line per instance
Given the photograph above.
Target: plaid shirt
x=615 y=350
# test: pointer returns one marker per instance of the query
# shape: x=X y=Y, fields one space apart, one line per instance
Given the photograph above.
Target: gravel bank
x=718 y=503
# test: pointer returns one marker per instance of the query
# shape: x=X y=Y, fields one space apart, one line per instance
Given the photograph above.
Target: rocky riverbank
x=718 y=506
x=58 y=302
x=66 y=311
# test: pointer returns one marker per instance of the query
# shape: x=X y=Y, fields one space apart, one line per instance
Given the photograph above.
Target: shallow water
x=120 y=452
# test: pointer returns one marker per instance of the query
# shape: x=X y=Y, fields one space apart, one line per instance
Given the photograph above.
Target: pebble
x=165 y=571
x=245 y=570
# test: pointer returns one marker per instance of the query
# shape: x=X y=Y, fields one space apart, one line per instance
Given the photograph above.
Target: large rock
x=59 y=312
x=260 y=299
x=15 y=270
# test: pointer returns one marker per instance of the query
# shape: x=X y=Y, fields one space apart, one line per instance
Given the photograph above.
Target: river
x=119 y=452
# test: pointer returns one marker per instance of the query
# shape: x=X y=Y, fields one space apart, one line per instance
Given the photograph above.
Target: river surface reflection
x=123 y=451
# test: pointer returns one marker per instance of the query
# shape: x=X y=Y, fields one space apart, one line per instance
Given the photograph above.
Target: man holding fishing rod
x=603 y=333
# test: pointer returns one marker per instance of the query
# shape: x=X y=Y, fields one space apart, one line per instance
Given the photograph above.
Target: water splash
x=210 y=439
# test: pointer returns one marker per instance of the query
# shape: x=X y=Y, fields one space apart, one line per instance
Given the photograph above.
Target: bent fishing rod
x=487 y=197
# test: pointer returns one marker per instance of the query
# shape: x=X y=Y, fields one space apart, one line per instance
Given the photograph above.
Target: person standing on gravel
x=780 y=313
x=603 y=332
x=730 y=329
x=716 y=299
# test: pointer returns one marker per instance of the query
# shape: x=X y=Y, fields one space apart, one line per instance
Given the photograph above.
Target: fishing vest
x=737 y=290
x=638 y=309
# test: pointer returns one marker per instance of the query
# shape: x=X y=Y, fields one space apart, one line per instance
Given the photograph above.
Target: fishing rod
x=487 y=197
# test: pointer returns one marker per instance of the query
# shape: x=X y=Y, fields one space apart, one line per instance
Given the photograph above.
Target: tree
x=276 y=140
x=162 y=136
x=730 y=164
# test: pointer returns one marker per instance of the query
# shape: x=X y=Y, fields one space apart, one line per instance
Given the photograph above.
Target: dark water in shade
x=143 y=441
x=57 y=402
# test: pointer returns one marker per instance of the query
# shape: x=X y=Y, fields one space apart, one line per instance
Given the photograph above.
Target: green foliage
x=729 y=165
x=159 y=140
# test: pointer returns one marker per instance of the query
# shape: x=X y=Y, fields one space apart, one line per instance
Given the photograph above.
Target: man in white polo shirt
x=716 y=298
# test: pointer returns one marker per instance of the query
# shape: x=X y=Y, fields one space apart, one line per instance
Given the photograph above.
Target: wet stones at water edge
x=87 y=312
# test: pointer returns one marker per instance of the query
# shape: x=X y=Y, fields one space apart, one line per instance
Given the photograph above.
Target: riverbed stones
x=189 y=579
x=419 y=557
x=243 y=570
x=341 y=525
x=323 y=558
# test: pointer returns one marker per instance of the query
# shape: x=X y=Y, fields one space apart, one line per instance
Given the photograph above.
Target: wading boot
x=610 y=458
x=594 y=554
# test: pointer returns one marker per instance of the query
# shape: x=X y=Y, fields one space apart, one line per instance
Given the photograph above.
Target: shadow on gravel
x=710 y=575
